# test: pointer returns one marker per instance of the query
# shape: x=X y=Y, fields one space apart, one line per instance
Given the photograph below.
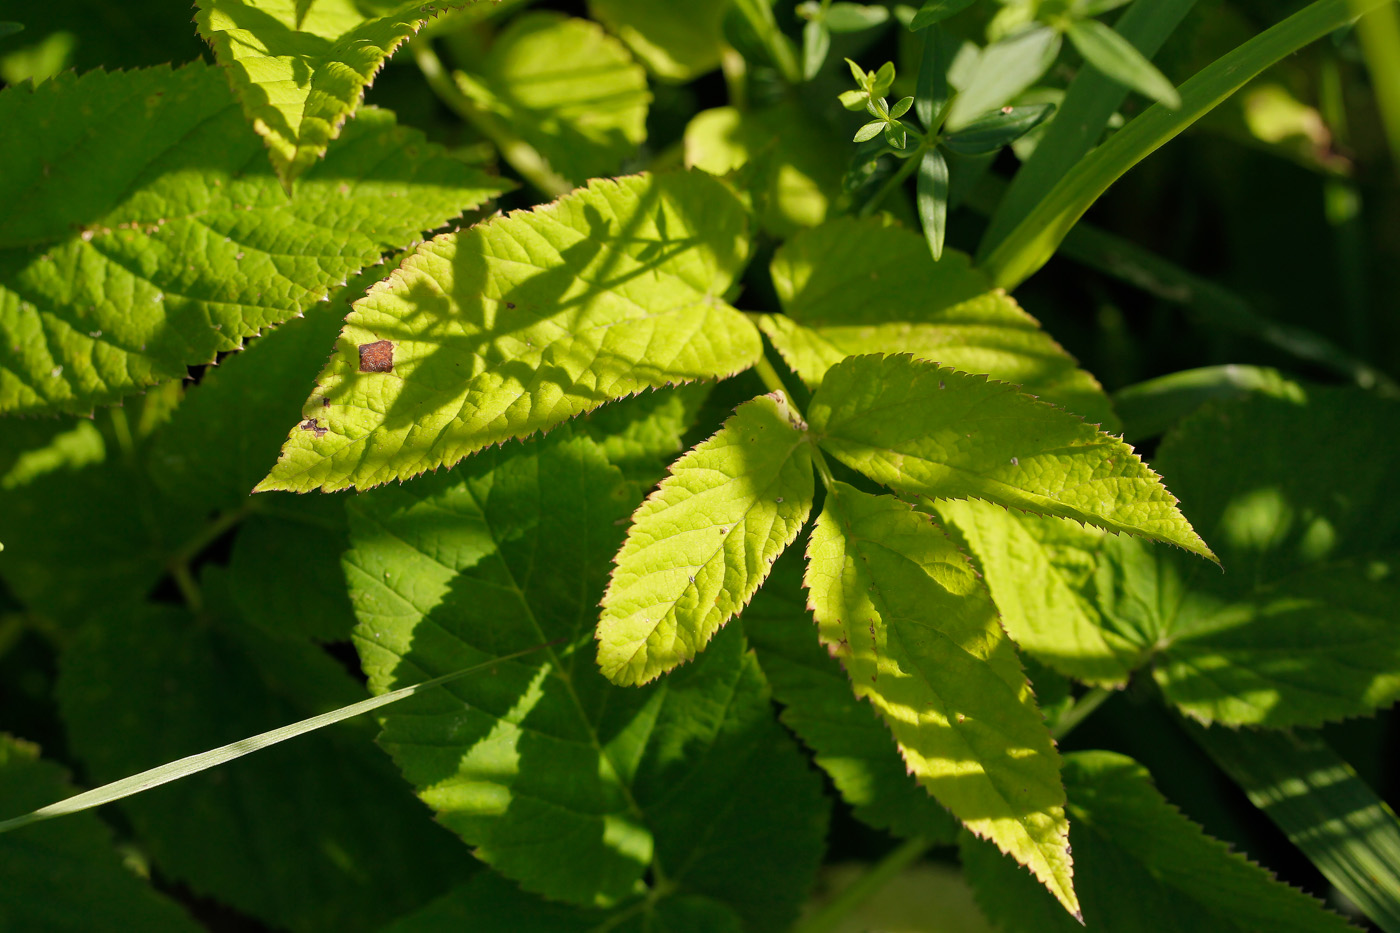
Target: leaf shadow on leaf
x=495 y=346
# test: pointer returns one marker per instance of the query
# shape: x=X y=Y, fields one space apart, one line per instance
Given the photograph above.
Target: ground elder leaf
x=300 y=69
x=559 y=780
x=944 y=434
x=1141 y=867
x=899 y=605
x=522 y=322
x=703 y=543
x=144 y=235
x=864 y=286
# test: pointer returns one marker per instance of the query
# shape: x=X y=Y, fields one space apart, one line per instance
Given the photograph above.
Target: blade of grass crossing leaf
x=933 y=200
x=1328 y=812
x=193 y=764
x=1090 y=102
x=936 y=11
x=1379 y=32
x=1116 y=57
x=1035 y=239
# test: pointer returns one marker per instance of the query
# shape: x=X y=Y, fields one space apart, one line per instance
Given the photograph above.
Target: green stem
x=1032 y=242
x=774 y=382
x=865 y=887
x=1379 y=32
x=779 y=46
x=891 y=184
x=1080 y=711
x=521 y=156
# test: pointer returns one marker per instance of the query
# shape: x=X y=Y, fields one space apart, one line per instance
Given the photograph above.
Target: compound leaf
x=702 y=544
x=522 y=322
x=558 y=779
x=67 y=874
x=1040 y=571
x=947 y=435
x=145 y=236
x=1295 y=491
x=301 y=68
x=568 y=88
x=865 y=286
x=1141 y=867
x=901 y=608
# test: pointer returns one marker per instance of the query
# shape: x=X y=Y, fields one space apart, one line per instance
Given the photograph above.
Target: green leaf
x=571 y=786
x=864 y=286
x=8 y=29
x=869 y=131
x=855 y=17
x=642 y=435
x=1120 y=60
x=796 y=160
x=1152 y=407
x=1329 y=813
x=85 y=34
x=816 y=42
x=932 y=196
x=702 y=544
x=490 y=904
x=898 y=605
x=147 y=236
x=301 y=69
x=570 y=90
x=522 y=322
x=1089 y=104
x=1141 y=866
x=677 y=41
x=947 y=435
x=849 y=740
x=1002 y=71
x=998 y=128
x=1032 y=242
x=935 y=11
x=1304 y=628
x=1040 y=570
x=220 y=681
x=68 y=875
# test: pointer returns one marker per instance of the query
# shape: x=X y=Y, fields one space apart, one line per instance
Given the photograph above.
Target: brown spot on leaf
x=311 y=424
x=325 y=403
x=510 y=305
x=377 y=357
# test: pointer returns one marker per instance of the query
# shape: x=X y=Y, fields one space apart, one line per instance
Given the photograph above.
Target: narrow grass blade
x=1379 y=32
x=1328 y=812
x=1092 y=99
x=1035 y=239
x=193 y=764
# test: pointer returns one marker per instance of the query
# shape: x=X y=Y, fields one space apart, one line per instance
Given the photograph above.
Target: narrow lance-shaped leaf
x=998 y=128
x=143 y=232
x=702 y=544
x=933 y=200
x=943 y=434
x=1004 y=69
x=520 y=323
x=935 y=11
x=903 y=610
x=1116 y=57
x=301 y=68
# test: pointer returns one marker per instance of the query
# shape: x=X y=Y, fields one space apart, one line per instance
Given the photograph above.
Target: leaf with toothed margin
x=703 y=543
x=903 y=610
x=563 y=782
x=1298 y=495
x=143 y=232
x=1040 y=569
x=869 y=286
x=1141 y=867
x=300 y=69
x=944 y=434
x=522 y=322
